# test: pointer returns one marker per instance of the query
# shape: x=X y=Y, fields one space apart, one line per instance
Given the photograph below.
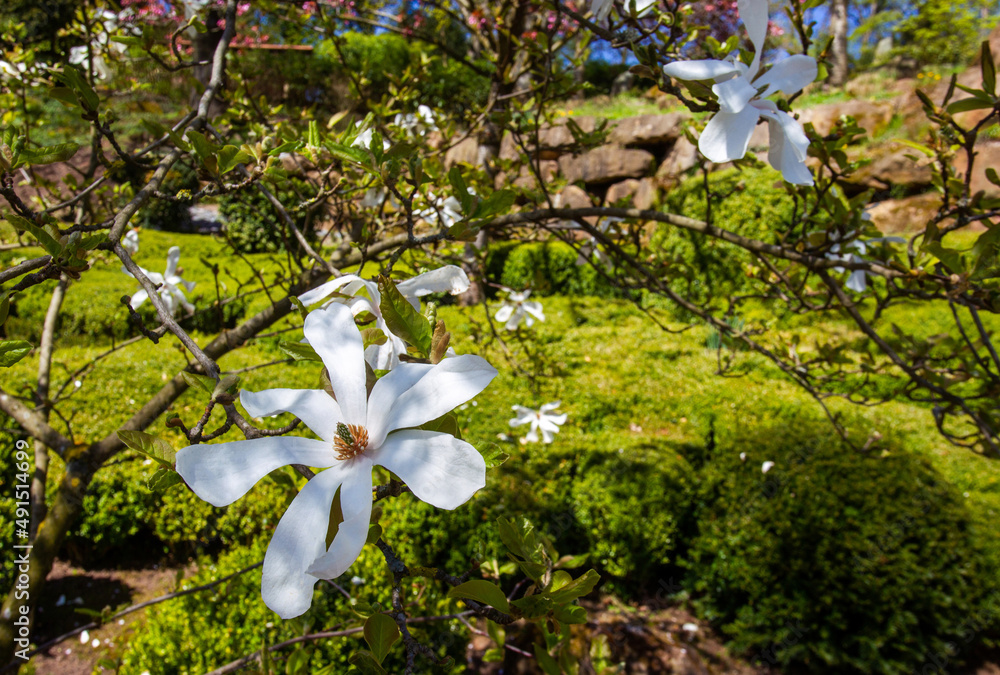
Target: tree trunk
x=838 y=50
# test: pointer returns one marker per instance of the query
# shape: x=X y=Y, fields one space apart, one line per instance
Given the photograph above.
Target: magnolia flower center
x=351 y=440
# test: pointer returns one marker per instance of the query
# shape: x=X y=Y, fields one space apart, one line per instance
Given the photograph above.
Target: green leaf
x=446 y=424
x=570 y=614
x=545 y=661
x=298 y=662
x=460 y=189
x=12 y=351
x=380 y=634
x=496 y=632
x=74 y=78
x=230 y=156
x=991 y=176
x=374 y=534
x=533 y=606
x=988 y=68
x=4 y=307
x=49 y=154
x=346 y=153
x=984 y=251
x=951 y=258
x=967 y=104
x=493 y=455
x=463 y=231
x=130 y=40
x=577 y=588
x=202 y=146
x=228 y=384
x=493 y=655
x=203 y=382
x=300 y=351
x=482 y=591
x=51 y=246
x=373 y=336
x=149 y=445
x=163 y=479
x=402 y=319
x=365 y=661
x=497 y=203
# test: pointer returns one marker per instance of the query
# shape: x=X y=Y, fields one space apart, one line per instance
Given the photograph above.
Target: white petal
x=734 y=94
x=534 y=309
x=314 y=407
x=552 y=421
x=298 y=540
x=385 y=392
x=753 y=13
x=327 y=289
x=173 y=257
x=517 y=318
x=727 y=135
x=600 y=9
x=549 y=406
x=504 y=313
x=221 y=473
x=448 y=279
x=547 y=436
x=442 y=388
x=356 y=506
x=706 y=69
x=531 y=436
x=788 y=75
x=857 y=282
x=788 y=146
x=440 y=469
x=138 y=298
x=332 y=333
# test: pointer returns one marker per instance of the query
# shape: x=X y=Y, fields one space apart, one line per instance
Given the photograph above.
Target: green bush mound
x=547 y=268
x=167 y=215
x=745 y=202
x=252 y=223
x=203 y=631
x=835 y=561
x=119 y=509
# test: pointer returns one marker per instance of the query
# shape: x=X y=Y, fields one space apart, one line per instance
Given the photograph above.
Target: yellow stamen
x=351 y=440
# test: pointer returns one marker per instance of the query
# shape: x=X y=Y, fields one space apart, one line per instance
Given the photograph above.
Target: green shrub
x=203 y=631
x=254 y=226
x=548 y=268
x=611 y=490
x=745 y=202
x=835 y=561
x=167 y=215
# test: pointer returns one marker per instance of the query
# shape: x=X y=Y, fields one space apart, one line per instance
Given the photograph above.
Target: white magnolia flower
x=358 y=432
x=417 y=123
x=743 y=100
x=852 y=251
x=591 y=248
x=169 y=283
x=444 y=212
x=540 y=420
x=516 y=308
x=364 y=140
x=448 y=279
x=766 y=466
x=130 y=242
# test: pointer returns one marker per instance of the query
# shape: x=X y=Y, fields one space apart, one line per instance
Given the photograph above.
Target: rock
x=465 y=151
x=987 y=156
x=526 y=178
x=872 y=116
x=606 y=164
x=894 y=171
x=647 y=130
x=909 y=214
x=553 y=141
x=682 y=158
x=642 y=192
x=574 y=197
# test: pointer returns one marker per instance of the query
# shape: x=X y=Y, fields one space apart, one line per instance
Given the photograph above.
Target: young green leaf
x=48 y=242
x=163 y=479
x=365 y=662
x=48 y=155
x=12 y=351
x=152 y=446
x=404 y=321
x=380 y=634
x=988 y=68
x=482 y=591
x=202 y=382
x=300 y=351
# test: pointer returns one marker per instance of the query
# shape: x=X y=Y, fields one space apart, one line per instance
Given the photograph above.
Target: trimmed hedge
x=548 y=268
x=835 y=561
